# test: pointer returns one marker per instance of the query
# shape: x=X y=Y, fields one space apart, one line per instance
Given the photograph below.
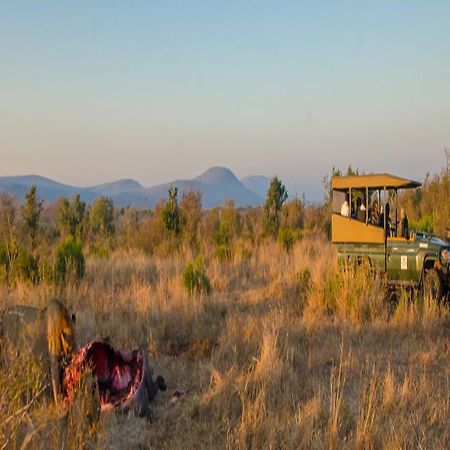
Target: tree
x=230 y=220
x=326 y=183
x=102 y=217
x=276 y=196
x=190 y=213
x=171 y=212
x=8 y=234
x=31 y=215
x=72 y=216
x=228 y=229
x=293 y=214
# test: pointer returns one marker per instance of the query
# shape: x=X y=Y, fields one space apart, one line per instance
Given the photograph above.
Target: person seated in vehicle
x=353 y=209
x=404 y=226
x=388 y=219
x=373 y=213
x=360 y=210
x=345 y=208
x=380 y=221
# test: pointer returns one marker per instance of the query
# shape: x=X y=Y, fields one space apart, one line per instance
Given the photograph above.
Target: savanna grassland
x=274 y=345
x=286 y=351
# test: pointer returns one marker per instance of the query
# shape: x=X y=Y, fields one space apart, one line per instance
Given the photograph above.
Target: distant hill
x=221 y=184
x=217 y=184
x=258 y=184
x=47 y=189
x=116 y=187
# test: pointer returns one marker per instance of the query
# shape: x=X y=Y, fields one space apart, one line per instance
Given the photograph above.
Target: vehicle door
x=401 y=260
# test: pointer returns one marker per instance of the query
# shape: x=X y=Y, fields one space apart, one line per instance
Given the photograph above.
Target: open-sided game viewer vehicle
x=367 y=226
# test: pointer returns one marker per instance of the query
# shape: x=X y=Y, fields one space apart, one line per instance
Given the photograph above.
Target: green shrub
x=223 y=239
x=333 y=287
x=69 y=261
x=171 y=212
x=424 y=224
x=275 y=197
x=25 y=266
x=4 y=264
x=286 y=238
x=223 y=252
x=195 y=279
x=101 y=251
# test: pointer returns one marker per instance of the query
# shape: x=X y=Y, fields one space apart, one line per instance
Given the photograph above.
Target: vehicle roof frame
x=374 y=181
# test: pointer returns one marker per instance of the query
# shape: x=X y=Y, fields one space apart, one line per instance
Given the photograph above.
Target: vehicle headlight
x=445 y=255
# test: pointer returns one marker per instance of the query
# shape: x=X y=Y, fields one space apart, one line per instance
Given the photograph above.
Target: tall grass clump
x=195 y=279
x=336 y=401
x=354 y=292
x=368 y=411
x=22 y=384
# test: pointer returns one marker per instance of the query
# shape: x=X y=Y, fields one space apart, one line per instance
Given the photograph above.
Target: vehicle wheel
x=432 y=285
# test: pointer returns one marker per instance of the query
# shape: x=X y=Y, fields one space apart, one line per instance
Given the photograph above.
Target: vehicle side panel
x=346 y=230
x=372 y=253
x=404 y=260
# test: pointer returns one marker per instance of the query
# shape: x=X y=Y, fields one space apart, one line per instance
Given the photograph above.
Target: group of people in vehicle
x=376 y=216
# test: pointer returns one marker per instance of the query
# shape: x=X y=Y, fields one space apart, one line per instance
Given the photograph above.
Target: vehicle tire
x=432 y=285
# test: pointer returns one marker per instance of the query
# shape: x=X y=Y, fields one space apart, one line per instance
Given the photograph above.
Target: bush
x=223 y=243
x=25 y=267
x=195 y=279
x=223 y=252
x=101 y=251
x=69 y=260
x=3 y=265
x=424 y=224
x=334 y=284
x=286 y=238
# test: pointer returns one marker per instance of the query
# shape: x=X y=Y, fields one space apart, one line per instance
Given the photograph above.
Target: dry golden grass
x=288 y=351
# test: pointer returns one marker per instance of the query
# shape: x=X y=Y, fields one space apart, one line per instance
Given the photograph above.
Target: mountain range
x=217 y=184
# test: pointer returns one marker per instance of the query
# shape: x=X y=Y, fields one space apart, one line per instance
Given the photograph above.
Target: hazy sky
x=99 y=90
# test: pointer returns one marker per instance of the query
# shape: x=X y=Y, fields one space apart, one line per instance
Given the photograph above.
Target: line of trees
x=49 y=242
x=428 y=207
x=46 y=244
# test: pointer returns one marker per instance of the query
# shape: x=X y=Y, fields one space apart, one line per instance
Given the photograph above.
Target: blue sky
x=95 y=91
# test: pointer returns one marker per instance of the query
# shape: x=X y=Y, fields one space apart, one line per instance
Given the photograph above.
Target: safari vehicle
x=367 y=233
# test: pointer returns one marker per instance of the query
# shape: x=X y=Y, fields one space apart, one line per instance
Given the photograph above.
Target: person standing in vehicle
x=404 y=226
x=381 y=219
x=374 y=213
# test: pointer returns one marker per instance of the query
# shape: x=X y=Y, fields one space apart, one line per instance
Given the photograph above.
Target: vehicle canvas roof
x=373 y=181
